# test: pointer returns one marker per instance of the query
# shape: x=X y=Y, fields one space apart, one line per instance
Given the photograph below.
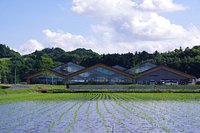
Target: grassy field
x=29 y=89
x=87 y=96
x=33 y=94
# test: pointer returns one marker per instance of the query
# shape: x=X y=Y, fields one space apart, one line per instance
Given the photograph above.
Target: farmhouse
x=146 y=73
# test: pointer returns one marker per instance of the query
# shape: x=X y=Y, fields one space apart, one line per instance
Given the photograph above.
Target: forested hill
x=6 y=52
x=187 y=60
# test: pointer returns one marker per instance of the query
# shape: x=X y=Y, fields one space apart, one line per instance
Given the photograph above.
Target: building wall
x=100 y=75
x=160 y=75
x=47 y=79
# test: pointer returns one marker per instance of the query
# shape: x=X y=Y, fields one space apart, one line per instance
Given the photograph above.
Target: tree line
x=11 y=62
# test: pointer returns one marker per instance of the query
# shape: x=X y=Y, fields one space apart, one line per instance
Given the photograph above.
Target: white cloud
x=161 y=5
x=126 y=25
x=67 y=41
x=104 y=8
x=30 y=46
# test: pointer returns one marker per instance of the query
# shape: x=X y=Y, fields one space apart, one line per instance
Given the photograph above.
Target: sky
x=105 y=26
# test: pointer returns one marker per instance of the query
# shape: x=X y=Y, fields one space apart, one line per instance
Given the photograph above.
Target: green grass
x=37 y=87
x=5 y=84
x=55 y=93
x=163 y=96
x=40 y=96
x=82 y=96
x=7 y=91
x=49 y=87
x=127 y=89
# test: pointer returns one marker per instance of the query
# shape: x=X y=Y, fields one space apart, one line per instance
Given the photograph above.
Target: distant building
x=164 y=75
x=46 y=77
x=72 y=73
x=146 y=73
x=100 y=73
x=55 y=76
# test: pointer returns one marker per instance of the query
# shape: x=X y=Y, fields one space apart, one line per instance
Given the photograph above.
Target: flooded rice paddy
x=100 y=114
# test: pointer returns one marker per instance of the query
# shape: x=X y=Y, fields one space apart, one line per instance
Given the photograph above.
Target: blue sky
x=187 y=17
x=105 y=26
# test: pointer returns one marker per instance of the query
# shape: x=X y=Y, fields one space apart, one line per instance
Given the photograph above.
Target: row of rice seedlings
x=48 y=112
x=19 y=108
x=166 y=129
x=88 y=114
x=141 y=115
x=130 y=97
x=145 y=114
x=59 y=117
x=45 y=111
x=78 y=99
x=87 y=111
x=112 y=114
x=172 y=113
x=137 y=105
x=152 y=108
x=138 y=113
x=55 y=112
x=100 y=114
x=31 y=113
x=161 y=108
x=108 y=111
x=122 y=112
x=9 y=111
x=142 y=106
x=155 y=112
x=71 y=124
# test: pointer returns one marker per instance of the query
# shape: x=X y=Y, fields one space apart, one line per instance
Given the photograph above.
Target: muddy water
x=99 y=116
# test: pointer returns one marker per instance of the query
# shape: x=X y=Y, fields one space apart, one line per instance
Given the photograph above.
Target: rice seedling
x=88 y=109
x=154 y=111
x=112 y=114
x=71 y=125
x=100 y=114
